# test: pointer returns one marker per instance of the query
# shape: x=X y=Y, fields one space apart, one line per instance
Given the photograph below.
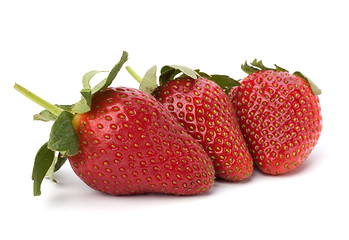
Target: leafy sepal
x=202 y=74
x=84 y=105
x=43 y=161
x=112 y=74
x=259 y=64
x=63 y=136
x=316 y=90
x=148 y=83
x=256 y=65
x=224 y=81
x=248 y=68
x=45 y=116
x=280 y=69
x=61 y=159
x=169 y=72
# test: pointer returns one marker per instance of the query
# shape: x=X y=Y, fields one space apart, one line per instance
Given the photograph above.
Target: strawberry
x=279 y=115
x=205 y=111
x=131 y=144
x=121 y=141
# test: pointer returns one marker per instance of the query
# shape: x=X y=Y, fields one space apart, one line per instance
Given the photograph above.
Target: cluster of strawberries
x=178 y=137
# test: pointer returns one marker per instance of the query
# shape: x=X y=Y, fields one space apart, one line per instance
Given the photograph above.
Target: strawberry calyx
x=63 y=140
x=256 y=66
x=224 y=81
x=170 y=72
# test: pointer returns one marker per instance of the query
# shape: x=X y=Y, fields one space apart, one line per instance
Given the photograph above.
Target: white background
x=48 y=46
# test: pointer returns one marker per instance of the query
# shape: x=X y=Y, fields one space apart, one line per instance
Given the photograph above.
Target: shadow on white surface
x=71 y=192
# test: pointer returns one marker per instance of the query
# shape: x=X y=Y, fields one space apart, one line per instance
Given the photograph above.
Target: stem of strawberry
x=134 y=74
x=48 y=106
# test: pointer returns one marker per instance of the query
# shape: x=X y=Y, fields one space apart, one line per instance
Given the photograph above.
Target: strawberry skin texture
x=207 y=114
x=130 y=144
x=280 y=119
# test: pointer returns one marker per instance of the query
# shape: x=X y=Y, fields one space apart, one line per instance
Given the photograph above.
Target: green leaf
x=87 y=96
x=248 y=69
x=61 y=159
x=169 y=72
x=224 y=81
x=202 y=74
x=86 y=78
x=148 y=83
x=63 y=136
x=50 y=172
x=106 y=82
x=280 y=69
x=56 y=165
x=84 y=105
x=187 y=71
x=259 y=64
x=43 y=161
x=45 y=116
x=314 y=88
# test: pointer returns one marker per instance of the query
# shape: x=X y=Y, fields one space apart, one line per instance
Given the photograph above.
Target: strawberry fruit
x=205 y=111
x=130 y=144
x=121 y=141
x=280 y=116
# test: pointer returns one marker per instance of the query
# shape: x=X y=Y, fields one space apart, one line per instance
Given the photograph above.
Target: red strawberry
x=205 y=111
x=121 y=141
x=130 y=144
x=279 y=115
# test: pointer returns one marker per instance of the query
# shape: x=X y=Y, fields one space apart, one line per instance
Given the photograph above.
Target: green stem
x=48 y=106
x=134 y=74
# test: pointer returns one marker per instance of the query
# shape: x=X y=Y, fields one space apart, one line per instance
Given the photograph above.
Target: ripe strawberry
x=130 y=144
x=205 y=111
x=121 y=141
x=279 y=115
